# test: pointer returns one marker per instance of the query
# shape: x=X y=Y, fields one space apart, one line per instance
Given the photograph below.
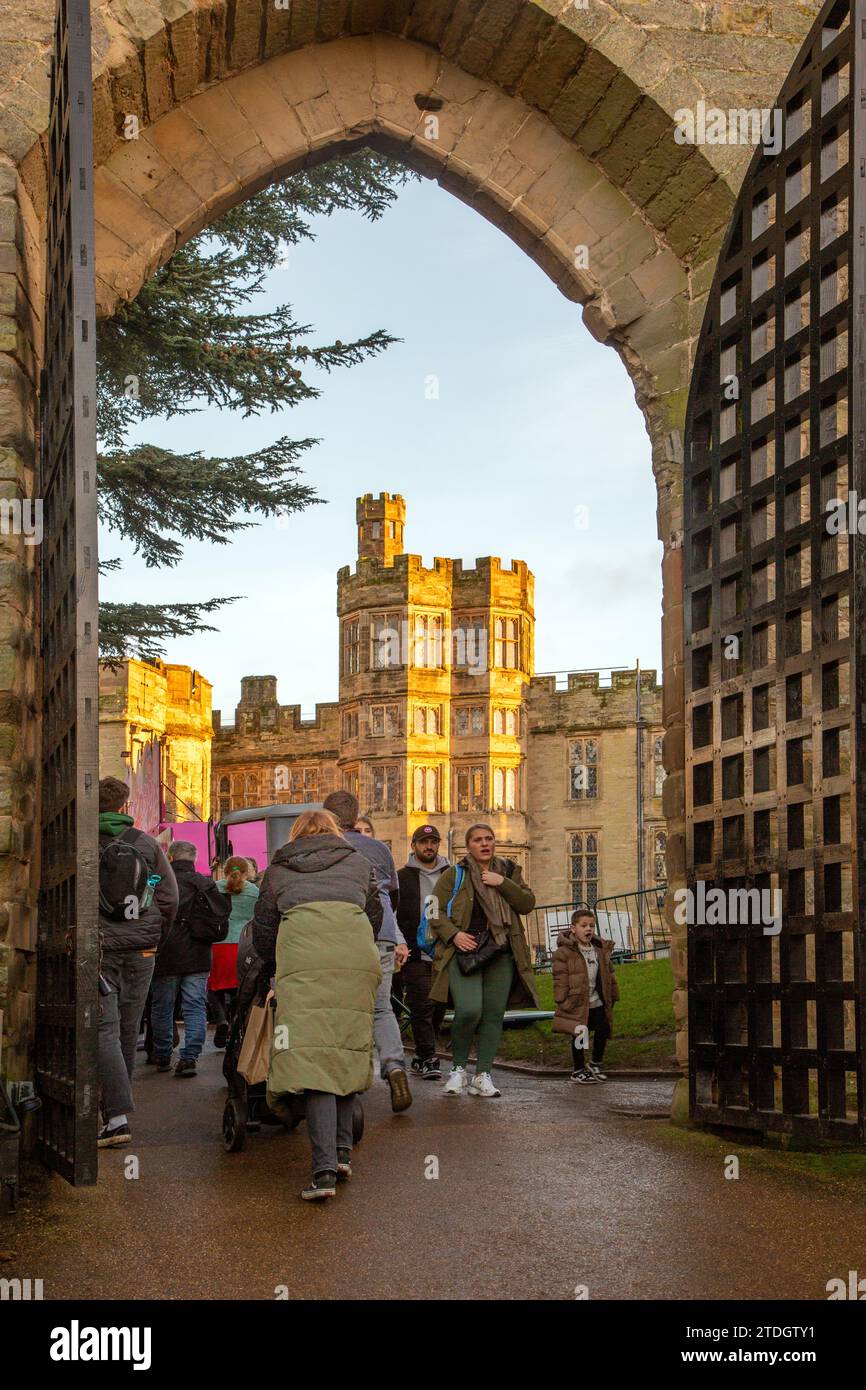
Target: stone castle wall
x=489 y=720
x=558 y=718
x=145 y=703
x=270 y=754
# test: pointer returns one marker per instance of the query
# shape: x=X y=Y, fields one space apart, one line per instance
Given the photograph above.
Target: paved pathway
x=538 y=1192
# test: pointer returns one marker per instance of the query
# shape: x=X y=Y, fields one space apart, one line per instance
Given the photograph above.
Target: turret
x=381 y=522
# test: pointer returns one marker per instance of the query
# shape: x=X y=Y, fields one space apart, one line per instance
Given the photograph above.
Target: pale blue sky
x=534 y=420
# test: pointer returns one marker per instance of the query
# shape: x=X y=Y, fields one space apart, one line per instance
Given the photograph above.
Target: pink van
x=254 y=833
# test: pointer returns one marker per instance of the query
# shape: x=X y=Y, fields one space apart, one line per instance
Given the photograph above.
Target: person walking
x=222 y=986
x=184 y=962
x=314 y=928
x=137 y=905
x=393 y=950
x=417 y=881
x=482 y=955
x=585 y=990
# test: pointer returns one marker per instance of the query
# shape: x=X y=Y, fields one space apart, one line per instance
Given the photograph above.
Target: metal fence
x=633 y=921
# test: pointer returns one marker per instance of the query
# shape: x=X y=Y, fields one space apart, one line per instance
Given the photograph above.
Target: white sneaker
x=482 y=1085
x=456 y=1083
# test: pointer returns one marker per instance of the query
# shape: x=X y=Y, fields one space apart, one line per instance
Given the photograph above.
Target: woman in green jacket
x=480 y=901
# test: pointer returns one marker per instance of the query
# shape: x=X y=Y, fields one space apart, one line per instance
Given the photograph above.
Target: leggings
x=600 y=1028
x=479 y=1006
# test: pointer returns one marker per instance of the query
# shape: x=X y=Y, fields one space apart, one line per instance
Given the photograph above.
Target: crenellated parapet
x=592 y=699
x=259 y=712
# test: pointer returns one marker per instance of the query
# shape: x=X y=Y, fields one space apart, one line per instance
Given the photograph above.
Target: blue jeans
x=193 y=1002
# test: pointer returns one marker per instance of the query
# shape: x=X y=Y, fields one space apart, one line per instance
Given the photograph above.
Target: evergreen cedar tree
x=187 y=340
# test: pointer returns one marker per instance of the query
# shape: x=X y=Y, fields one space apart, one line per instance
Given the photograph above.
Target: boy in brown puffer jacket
x=584 y=992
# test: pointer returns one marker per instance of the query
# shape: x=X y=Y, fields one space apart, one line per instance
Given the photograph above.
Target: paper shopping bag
x=254 y=1058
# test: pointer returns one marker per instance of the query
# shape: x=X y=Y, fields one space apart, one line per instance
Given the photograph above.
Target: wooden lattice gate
x=68 y=947
x=774 y=619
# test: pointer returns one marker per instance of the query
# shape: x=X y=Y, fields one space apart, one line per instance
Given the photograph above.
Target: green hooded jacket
x=114 y=822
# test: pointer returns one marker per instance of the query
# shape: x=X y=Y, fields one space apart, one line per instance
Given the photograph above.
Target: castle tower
x=381 y=522
x=434 y=664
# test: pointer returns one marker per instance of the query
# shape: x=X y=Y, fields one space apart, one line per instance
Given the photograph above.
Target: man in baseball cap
x=412 y=984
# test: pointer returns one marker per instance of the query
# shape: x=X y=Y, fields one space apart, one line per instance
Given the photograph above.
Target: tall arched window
x=660 y=844
x=583 y=867
x=506 y=646
x=498 y=788
x=659 y=779
x=504 y=789
x=425 y=789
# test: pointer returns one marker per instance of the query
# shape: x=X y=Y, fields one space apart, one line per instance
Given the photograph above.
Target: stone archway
x=557 y=128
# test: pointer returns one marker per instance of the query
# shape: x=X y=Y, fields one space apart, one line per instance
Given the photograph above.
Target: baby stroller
x=246 y=1108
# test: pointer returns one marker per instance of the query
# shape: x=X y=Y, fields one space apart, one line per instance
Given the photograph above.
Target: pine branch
x=189 y=340
x=141 y=629
x=148 y=494
x=182 y=344
x=364 y=181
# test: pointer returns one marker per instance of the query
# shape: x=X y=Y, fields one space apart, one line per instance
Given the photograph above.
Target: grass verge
x=832 y=1168
x=643 y=1023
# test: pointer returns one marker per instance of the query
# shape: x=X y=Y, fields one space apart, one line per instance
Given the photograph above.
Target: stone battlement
x=368 y=502
x=369 y=570
x=259 y=711
x=591 y=681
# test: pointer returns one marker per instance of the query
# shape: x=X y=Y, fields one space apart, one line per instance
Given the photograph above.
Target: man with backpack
x=137 y=904
x=184 y=962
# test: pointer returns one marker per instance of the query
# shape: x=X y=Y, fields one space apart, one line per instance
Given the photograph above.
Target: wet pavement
x=538 y=1192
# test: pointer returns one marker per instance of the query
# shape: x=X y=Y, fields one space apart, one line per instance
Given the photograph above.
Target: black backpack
x=123 y=874
x=200 y=919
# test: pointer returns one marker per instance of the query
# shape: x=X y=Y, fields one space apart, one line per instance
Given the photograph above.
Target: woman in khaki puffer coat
x=584 y=992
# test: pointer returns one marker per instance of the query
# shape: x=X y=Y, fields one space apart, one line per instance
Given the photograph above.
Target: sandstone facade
x=441 y=720
x=155 y=712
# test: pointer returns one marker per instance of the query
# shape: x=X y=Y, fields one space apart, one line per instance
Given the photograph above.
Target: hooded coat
x=150 y=927
x=412 y=879
x=571 y=982
x=520 y=899
x=317 y=915
x=202 y=919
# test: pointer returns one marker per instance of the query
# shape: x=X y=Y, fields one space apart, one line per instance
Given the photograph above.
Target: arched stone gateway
x=555 y=122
